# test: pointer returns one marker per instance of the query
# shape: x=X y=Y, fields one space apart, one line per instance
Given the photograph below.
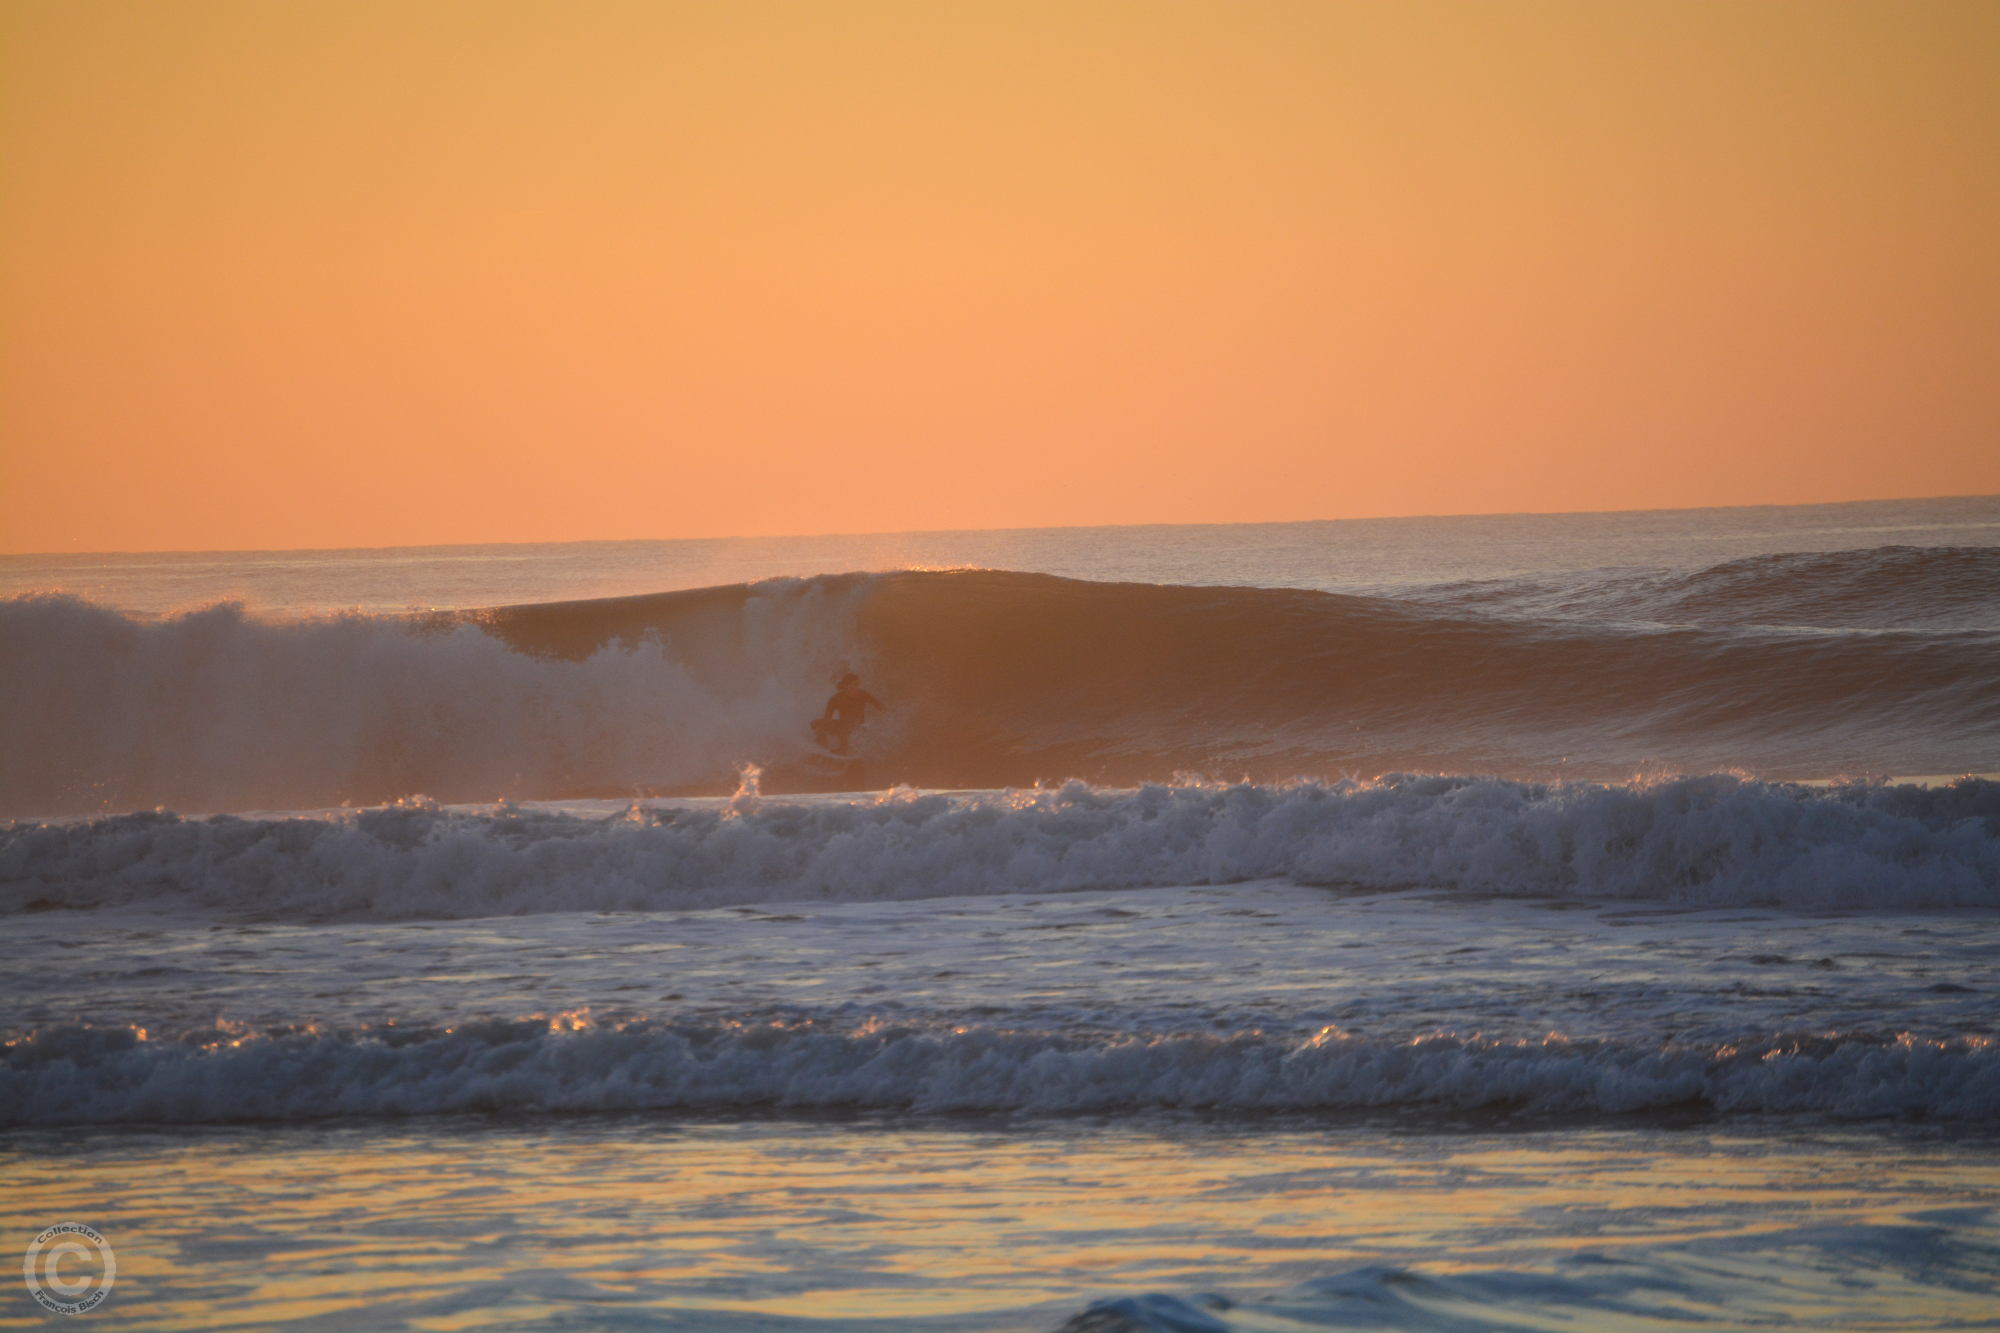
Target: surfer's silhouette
x=846 y=710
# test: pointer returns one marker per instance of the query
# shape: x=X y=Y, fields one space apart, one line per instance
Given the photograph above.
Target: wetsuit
x=846 y=710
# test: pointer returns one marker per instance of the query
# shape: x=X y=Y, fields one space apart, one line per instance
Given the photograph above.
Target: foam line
x=1713 y=840
x=72 y=1076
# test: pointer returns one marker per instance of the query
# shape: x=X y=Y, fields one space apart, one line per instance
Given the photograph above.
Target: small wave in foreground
x=68 y=1076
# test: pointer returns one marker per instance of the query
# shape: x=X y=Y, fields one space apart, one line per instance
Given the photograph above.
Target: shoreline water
x=815 y=1225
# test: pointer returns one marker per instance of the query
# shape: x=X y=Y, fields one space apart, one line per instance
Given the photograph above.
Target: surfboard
x=829 y=759
x=820 y=769
x=815 y=771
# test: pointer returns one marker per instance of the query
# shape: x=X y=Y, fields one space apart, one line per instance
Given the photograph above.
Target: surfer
x=846 y=710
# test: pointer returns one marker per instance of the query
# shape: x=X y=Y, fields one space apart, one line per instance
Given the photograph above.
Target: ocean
x=1531 y=921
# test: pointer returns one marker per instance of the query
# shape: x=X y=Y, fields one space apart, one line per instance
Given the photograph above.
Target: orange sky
x=359 y=272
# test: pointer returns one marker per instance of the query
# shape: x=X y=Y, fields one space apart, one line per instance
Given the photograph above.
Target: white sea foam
x=1712 y=840
x=219 y=710
x=87 y=1076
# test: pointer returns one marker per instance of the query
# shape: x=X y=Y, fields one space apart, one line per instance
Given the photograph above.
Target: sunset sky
x=348 y=272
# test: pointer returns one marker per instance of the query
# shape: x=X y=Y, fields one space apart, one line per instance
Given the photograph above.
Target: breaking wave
x=219 y=710
x=1710 y=840
x=1882 y=661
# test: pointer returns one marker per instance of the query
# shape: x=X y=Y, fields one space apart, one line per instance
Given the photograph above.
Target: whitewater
x=1443 y=923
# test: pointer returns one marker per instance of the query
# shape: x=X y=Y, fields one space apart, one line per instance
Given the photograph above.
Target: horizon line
x=1031 y=527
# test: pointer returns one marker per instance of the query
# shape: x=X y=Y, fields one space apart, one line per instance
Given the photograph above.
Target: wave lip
x=70 y=1076
x=1715 y=841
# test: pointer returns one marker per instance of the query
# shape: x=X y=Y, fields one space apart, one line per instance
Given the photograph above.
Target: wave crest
x=1884 y=587
x=1712 y=840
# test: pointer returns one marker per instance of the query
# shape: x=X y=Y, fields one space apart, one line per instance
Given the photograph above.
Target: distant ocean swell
x=71 y=1076
x=1710 y=840
x=1785 y=666
x=1888 y=587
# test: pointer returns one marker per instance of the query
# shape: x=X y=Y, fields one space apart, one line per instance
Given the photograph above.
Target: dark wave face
x=1884 y=661
x=1009 y=677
